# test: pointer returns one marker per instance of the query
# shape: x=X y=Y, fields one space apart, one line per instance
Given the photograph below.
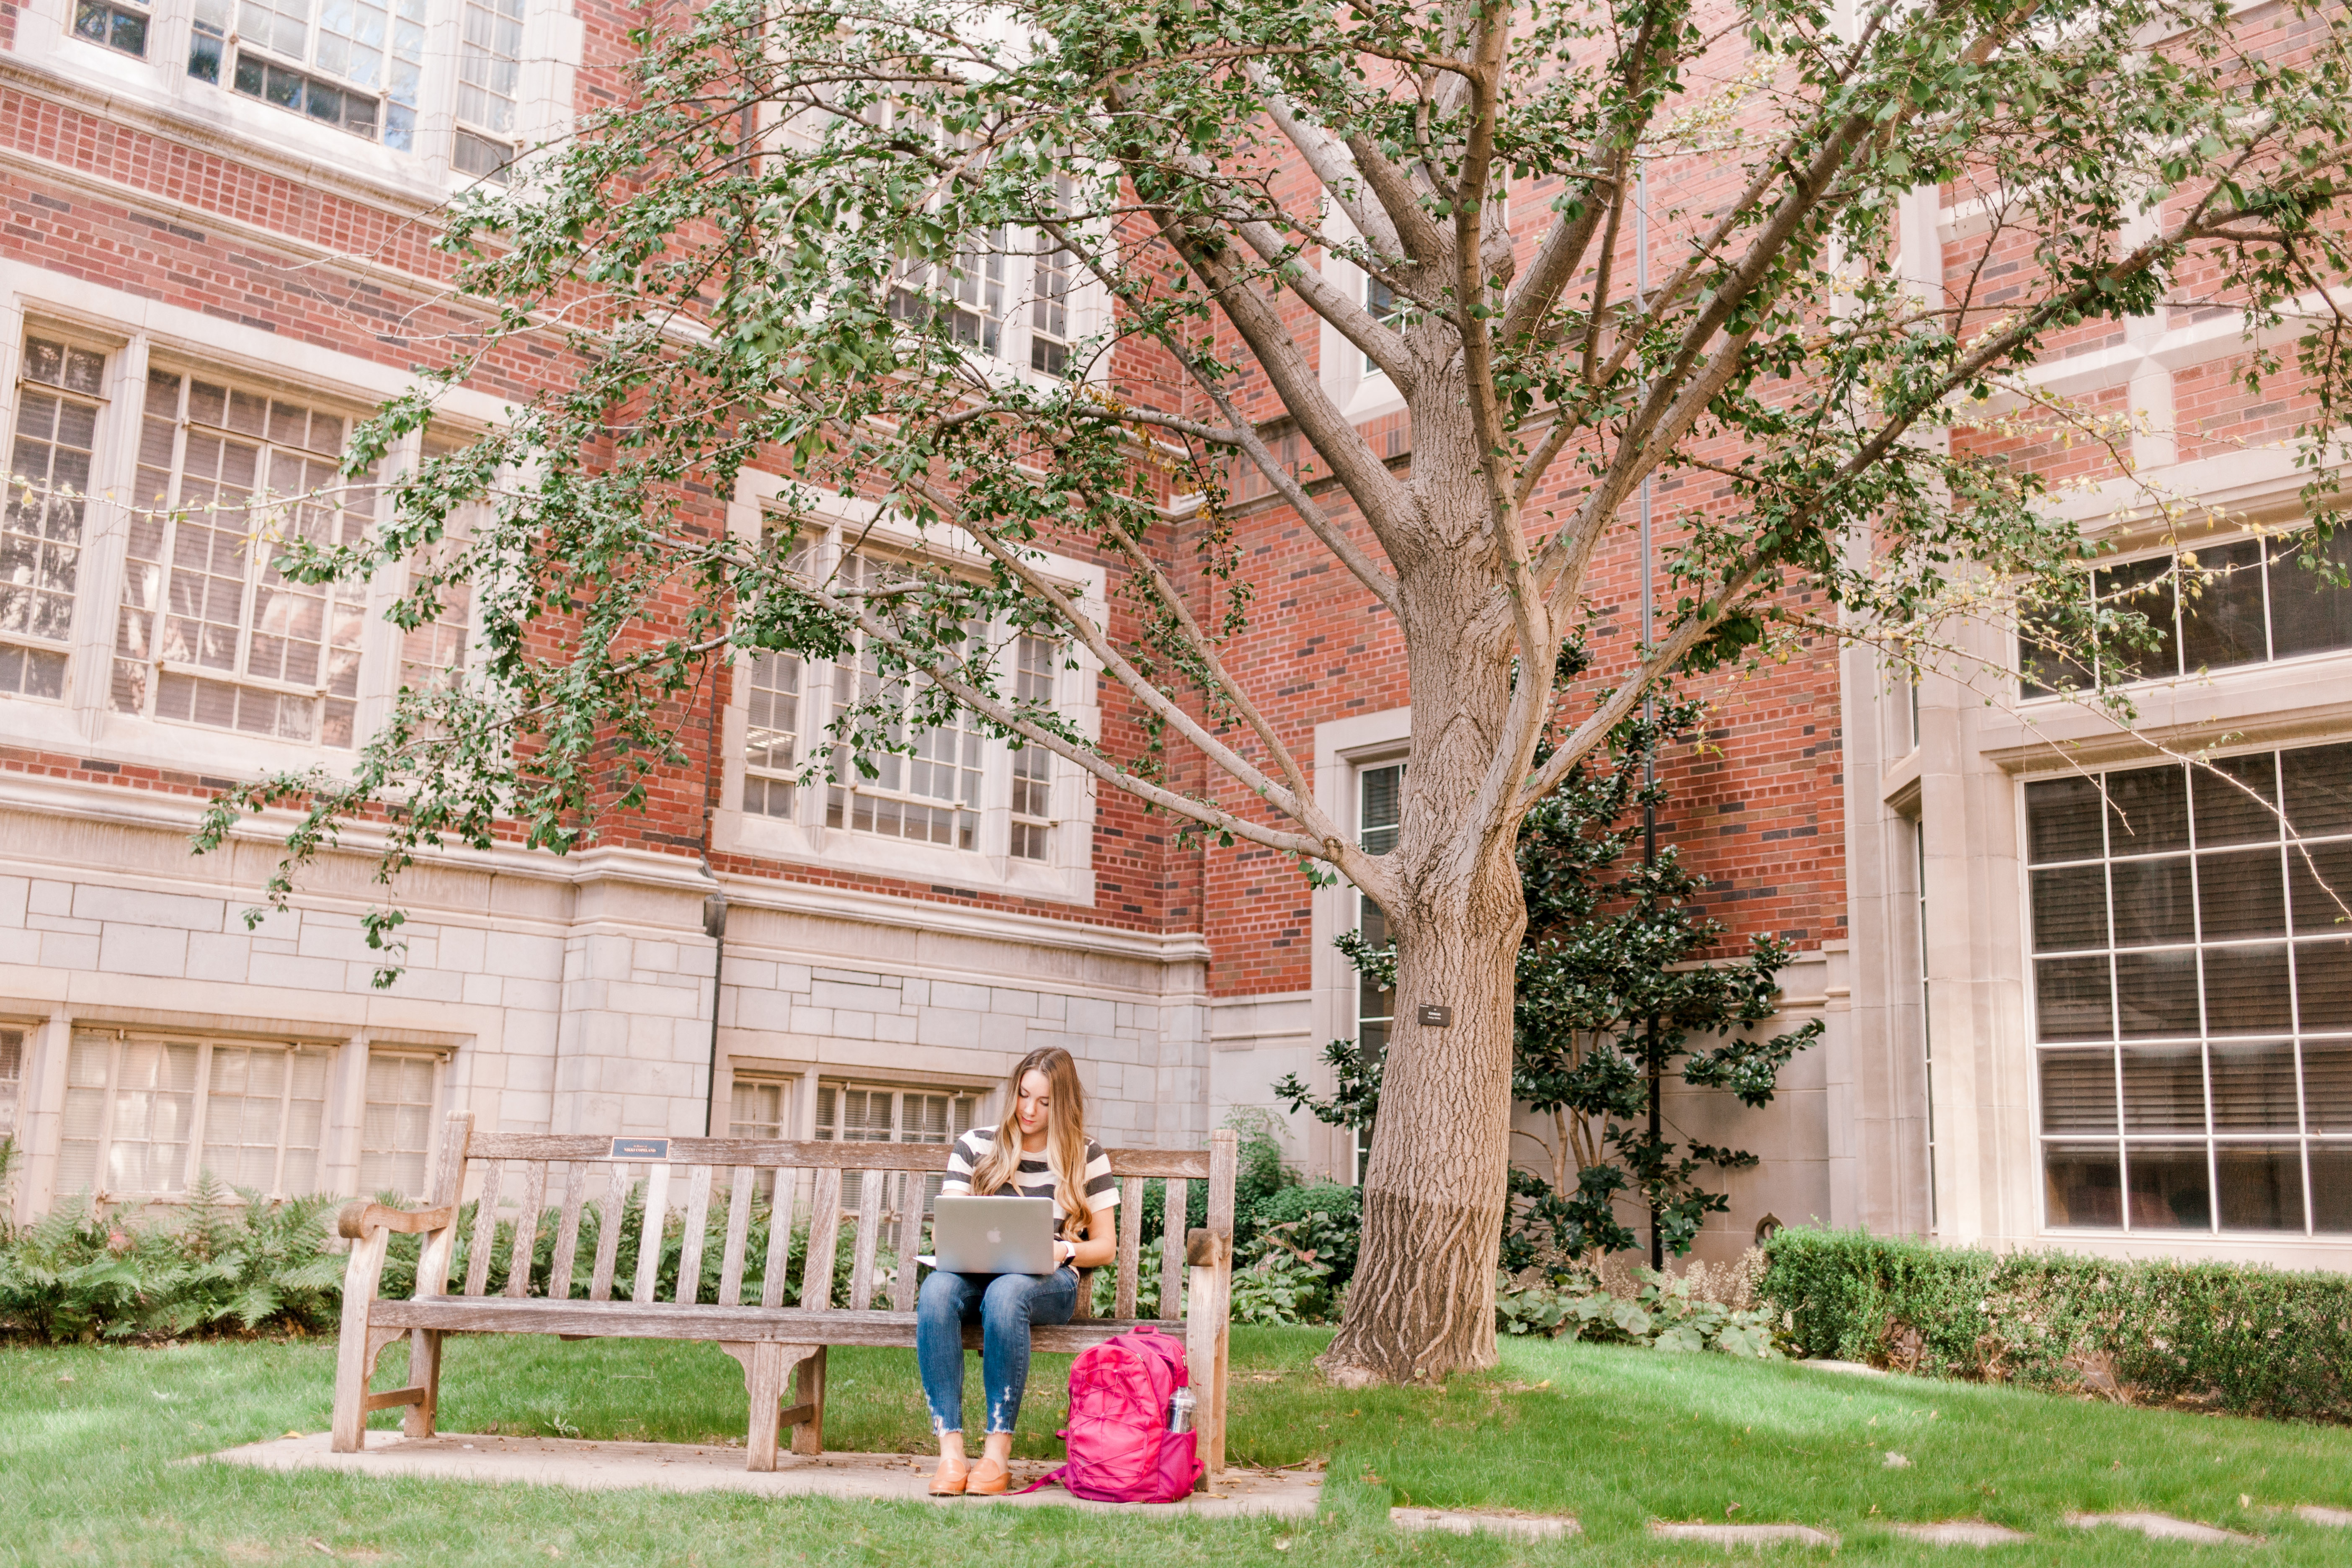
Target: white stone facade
x=550 y=995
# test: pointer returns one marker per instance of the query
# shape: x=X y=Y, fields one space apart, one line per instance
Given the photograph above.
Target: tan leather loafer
x=949 y=1478
x=988 y=1479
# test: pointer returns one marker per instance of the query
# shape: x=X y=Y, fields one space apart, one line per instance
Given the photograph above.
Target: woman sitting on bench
x=1040 y=1151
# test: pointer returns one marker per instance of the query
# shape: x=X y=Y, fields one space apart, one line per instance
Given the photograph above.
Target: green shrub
x=80 y=1274
x=1330 y=1220
x=2233 y=1337
x=1664 y=1314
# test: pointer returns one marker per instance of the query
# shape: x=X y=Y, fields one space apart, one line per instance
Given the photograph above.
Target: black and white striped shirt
x=1035 y=1178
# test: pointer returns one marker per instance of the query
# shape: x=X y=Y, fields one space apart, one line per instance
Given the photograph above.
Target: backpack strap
x=1048 y=1478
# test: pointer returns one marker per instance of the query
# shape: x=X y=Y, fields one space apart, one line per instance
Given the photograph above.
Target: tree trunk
x=1422 y=1302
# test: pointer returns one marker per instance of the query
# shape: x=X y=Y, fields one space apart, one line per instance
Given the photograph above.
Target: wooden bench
x=515 y=1175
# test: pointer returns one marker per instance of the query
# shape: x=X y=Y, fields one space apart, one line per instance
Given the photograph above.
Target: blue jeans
x=1004 y=1305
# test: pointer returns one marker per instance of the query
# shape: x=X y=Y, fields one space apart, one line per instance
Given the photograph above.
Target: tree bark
x=1422 y=1302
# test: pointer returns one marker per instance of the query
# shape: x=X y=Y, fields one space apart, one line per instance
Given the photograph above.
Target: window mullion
x=197 y=1114
x=104 y=1163
x=285 y=1126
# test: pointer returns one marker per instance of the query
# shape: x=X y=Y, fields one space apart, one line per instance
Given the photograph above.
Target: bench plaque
x=640 y=1149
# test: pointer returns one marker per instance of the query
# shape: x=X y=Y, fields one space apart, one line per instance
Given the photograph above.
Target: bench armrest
x=357 y=1221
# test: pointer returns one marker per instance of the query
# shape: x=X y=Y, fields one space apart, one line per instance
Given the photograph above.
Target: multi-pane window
x=1381 y=301
x=1379 y=817
x=771 y=733
x=12 y=1078
x=114 y=24
x=489 y=70
x=1052 y=275
x=396 y=1127
x=757 y=1106
x=210 y=632
x=356 y=65
x=433 y=653
x=58 y=401
x=874 y=1113
x=2247 y=601
x=144 y=1114
x=929 y=792
x=967 y=293
x=1034 y=660
x=2192 y=981
x=1049 y=311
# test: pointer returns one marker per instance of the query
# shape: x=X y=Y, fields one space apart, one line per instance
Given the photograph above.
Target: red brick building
x=217 y=254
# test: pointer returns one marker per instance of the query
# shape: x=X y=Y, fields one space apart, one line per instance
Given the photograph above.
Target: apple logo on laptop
x=995 y=1238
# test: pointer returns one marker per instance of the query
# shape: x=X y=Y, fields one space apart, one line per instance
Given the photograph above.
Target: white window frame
x=1361 y=773
x=434 y=1114
x=852 y=1180
x=786 y=1088
x=205 y=1042
x=158 y=83
x=16 y=386
x=1345 y=751
x=2211 y=1141
x=1065 y=876
x=2265 y=538
x=135 y=333
x=16 y=1041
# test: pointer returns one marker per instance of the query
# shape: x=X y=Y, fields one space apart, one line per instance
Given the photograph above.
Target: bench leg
x=808 y=1432
x=424 y=1372
x=1204 y=1358
x=355 y=1353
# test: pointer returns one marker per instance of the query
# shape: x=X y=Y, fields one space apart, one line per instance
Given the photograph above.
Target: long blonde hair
x=1065 y=1136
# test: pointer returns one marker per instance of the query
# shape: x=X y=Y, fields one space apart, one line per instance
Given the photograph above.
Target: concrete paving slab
x=1853 y=1368
x=684 y=1467
x=1962 y=1532
x=2159 y=1527
x=1483 y=1521
x=2312 y=1514
x=1743 y=1534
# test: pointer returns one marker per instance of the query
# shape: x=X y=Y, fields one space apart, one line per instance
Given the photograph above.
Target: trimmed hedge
x=2223 y=1336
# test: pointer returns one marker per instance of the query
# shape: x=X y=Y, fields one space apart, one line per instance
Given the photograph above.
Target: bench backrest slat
x=1130 y=1243
x=1171 y=1252
x=739 y=1235
x=567 y=1231
x=869 y=1238
x=526 y=1227
x=805 y=1181
x=903 y=1285
x=697 y=1217
x=824 y=1239
x=608 y=1231
x=649 y=1234
x=486 y=1227
x=780 y=1238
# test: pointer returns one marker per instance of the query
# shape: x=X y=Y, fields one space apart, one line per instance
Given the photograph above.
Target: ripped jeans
x=1004 y=1305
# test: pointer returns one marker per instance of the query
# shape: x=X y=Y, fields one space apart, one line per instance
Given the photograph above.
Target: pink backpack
x=1119 y=1446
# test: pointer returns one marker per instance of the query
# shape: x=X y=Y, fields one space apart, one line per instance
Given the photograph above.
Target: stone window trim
x=1346 y=751
x=793 y=825
x=146 y=1110
x=2108 y=1119
x=85 y=718
x=58 y=414
x=154 y=82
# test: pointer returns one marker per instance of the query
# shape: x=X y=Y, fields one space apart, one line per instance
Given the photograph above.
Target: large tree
x=753 y=257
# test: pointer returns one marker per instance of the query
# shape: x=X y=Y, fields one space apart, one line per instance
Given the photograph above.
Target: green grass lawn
x=89 y=1440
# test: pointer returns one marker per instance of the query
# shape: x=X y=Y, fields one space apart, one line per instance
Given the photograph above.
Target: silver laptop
x=993 y=1234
